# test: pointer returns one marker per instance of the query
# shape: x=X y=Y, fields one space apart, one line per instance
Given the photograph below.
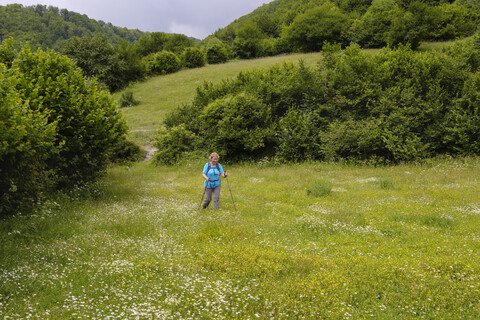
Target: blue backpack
x=216 y=167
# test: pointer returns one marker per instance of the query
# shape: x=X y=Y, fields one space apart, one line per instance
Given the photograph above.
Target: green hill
x=304 y=25
x=48 y=27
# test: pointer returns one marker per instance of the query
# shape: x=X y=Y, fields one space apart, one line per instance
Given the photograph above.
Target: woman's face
x=214 y=160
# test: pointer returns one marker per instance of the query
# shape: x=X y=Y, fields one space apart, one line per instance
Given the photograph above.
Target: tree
x=370 y=31
x=176 y=43
x=310 y=30
x=163 y=62
x=247 y=43
x=155 y=42
x=193 y=58
x=218 y=52
x=97 y=58
x=409 y=27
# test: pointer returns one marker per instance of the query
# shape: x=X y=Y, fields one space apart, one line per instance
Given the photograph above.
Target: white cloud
x=190 y=30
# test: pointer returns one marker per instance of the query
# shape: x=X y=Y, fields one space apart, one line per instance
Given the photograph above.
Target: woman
x=211 y=173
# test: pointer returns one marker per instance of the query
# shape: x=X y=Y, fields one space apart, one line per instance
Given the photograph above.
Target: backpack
x=210 y=167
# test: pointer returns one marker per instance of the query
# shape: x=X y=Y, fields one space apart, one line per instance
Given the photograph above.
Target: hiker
x=211 y=173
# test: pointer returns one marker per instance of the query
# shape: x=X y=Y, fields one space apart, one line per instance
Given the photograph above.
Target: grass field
x=386 y=243
x=306 y=241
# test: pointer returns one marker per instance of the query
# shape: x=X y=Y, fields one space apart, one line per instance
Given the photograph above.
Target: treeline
x=48 y=27
x=397 y=105
x=115 y=56
x=118 y=56
x=58 y=129
x=117 y=65
x=284 y=26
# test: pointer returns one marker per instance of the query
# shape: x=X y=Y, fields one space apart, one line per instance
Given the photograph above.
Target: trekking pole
x=228 y=183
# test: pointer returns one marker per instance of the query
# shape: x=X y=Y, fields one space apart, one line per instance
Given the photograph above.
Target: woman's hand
x=224 y=174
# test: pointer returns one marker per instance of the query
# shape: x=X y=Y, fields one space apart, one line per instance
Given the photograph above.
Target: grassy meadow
x=385 y=243
x=306 y=241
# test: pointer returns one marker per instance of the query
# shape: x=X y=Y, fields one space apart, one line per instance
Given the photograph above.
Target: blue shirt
x=213 y=174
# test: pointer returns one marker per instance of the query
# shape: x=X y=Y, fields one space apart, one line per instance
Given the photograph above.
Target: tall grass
x=139 y=247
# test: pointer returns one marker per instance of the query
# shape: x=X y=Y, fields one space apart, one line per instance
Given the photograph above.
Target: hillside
x=48 y=27
x=303 y=26
x=162 y=94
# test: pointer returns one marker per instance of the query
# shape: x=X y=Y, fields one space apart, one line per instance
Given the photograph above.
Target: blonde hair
x=214 y=154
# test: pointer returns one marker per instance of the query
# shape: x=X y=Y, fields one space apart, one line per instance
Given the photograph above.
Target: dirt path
x=150 y=151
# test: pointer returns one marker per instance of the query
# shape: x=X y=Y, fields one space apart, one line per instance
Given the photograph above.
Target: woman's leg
x=216 y=198
x=208 y=198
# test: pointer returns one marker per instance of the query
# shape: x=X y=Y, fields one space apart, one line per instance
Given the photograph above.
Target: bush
x=163 y=62
x=7 y=52
x=247 y=44
x=173 y=144
x=218 y=53
x=88 y=125
x=311 y=29
x=127 y=99
x=370 y=31
x=319 y=188
x=359 y=140
x=27 y=141
x=126 y=151
x=396 y=105
x=97 y=58
x=298 y=136
x=240 y=125
x=193 y=58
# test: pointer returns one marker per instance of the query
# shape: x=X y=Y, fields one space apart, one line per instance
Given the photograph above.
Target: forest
x=48 y=27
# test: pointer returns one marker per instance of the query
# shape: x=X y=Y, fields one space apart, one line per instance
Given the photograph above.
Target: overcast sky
x=195 y=18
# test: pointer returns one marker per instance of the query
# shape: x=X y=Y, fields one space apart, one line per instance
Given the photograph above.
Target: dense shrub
x=88 y=122
x=127 y=99
x=163 y=62
x=126 y=151
x=218 y=53
x=371 y=29
x=298 y=136
x=173 y=144
x=26 y=142
x=247 y=44
x=310 y=30
x=193 y=58
x=242 y=124
x=7 y=52
x=395 y=105
x=113 y=65
x=58 y=128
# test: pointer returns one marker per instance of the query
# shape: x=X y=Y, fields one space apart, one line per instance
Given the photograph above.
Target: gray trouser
x=208 y=197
